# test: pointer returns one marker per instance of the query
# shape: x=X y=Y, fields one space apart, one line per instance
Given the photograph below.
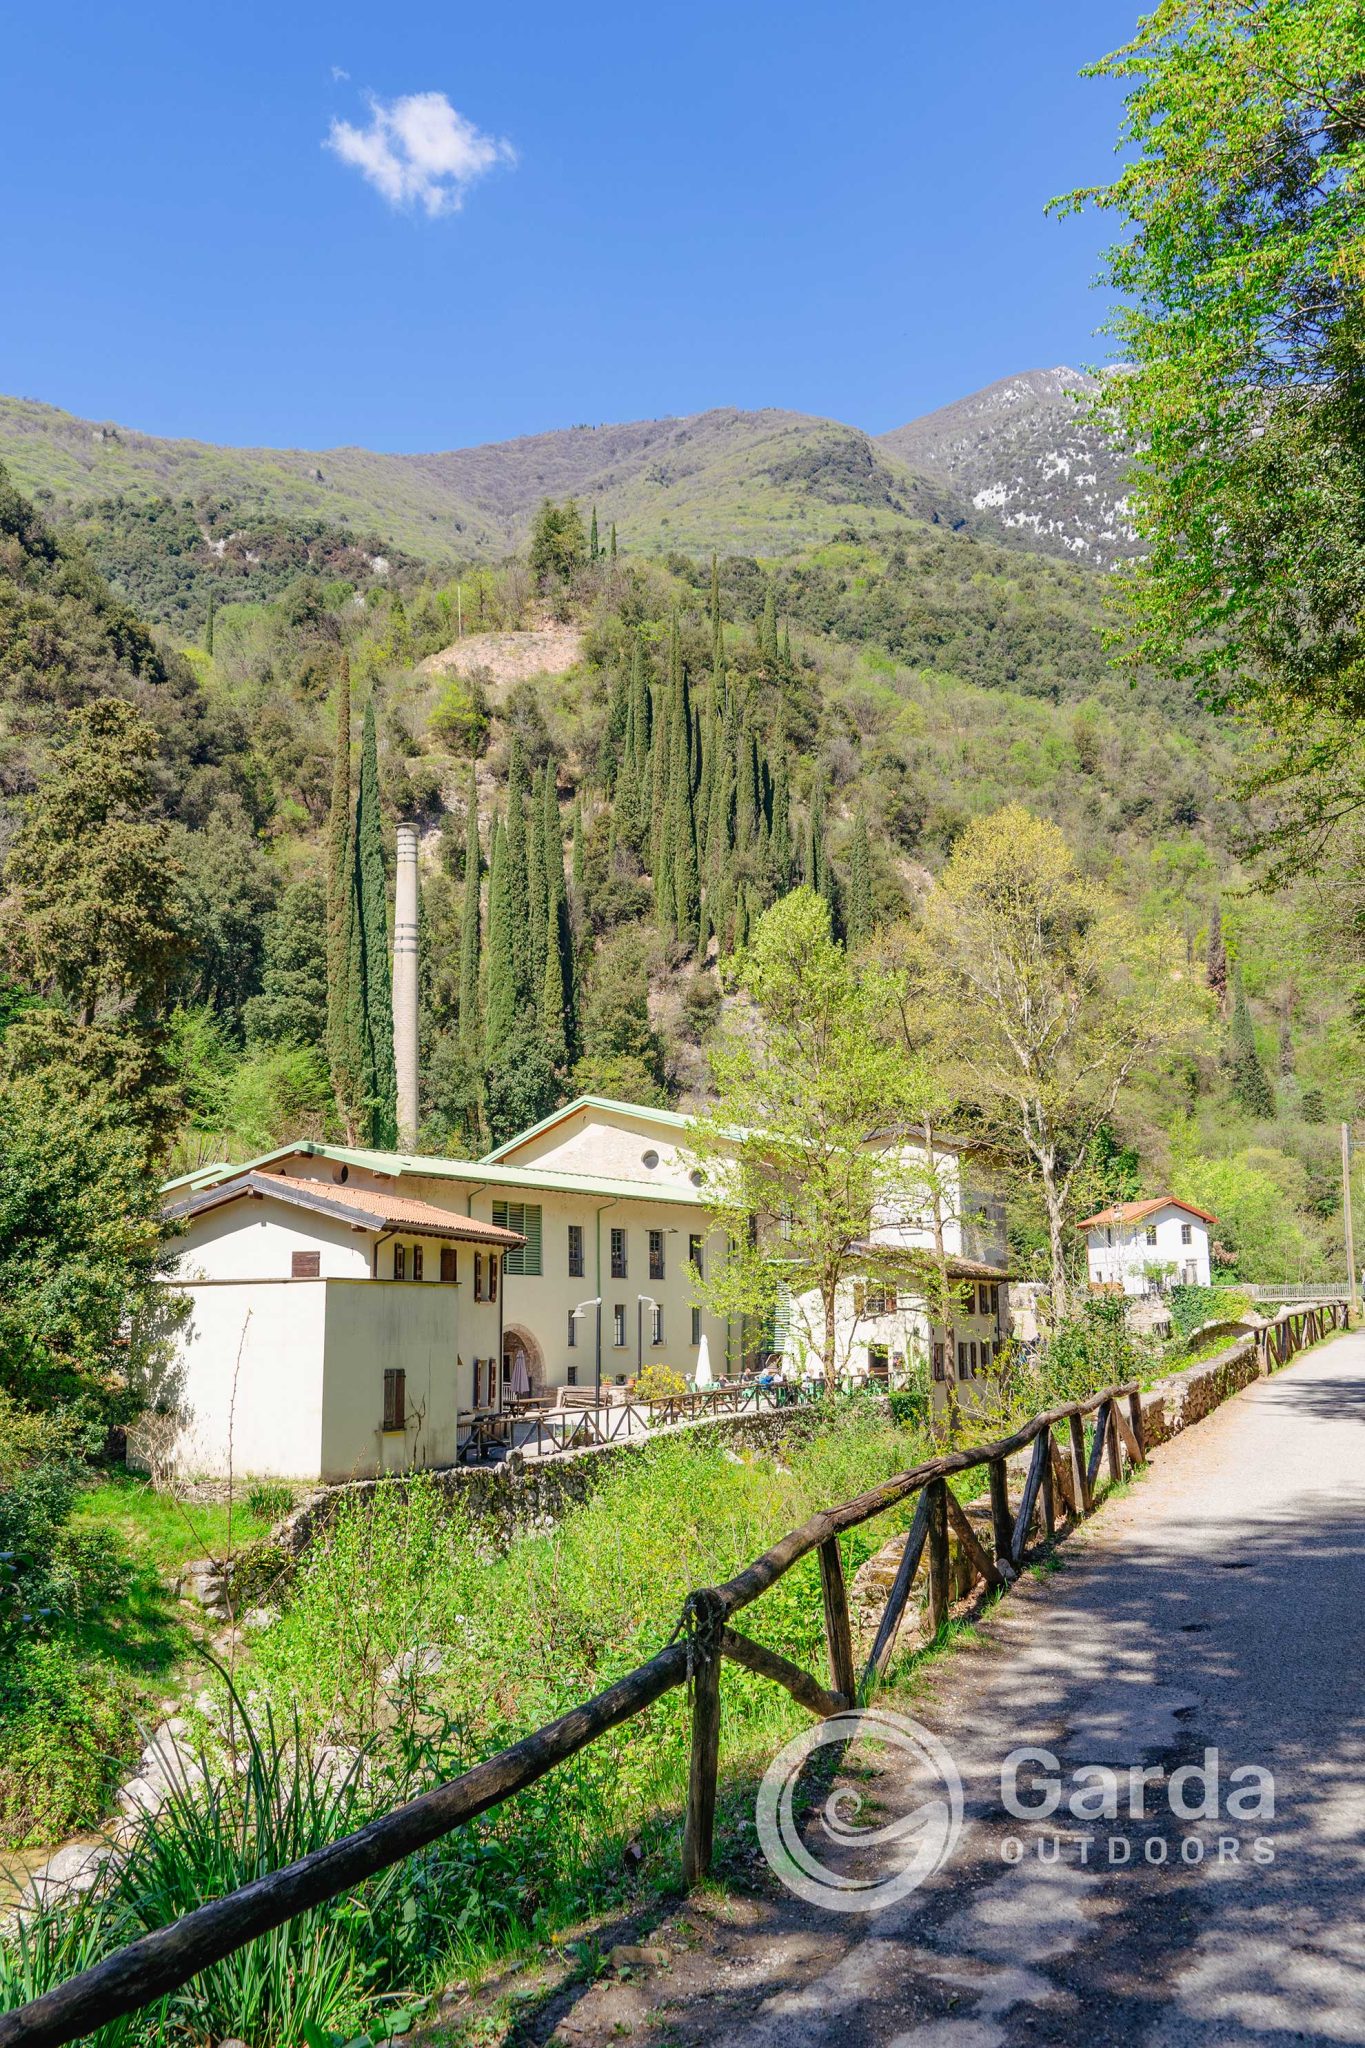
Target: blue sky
x=530 y=216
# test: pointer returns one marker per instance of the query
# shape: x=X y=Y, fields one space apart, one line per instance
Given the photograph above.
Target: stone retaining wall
x=528 y=1494
x=1187 y=1397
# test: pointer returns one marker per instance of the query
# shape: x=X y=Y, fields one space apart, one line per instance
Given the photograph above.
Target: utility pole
x=1346 y=1218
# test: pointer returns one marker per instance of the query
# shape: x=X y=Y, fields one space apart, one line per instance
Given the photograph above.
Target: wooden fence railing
x=1059 y=1484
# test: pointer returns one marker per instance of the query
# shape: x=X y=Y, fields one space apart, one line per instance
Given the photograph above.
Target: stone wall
x=1187 y=1397
x=527 y=1494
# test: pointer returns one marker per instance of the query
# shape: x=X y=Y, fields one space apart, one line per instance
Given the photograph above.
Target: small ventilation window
x=696 y=1176
x=650 y=1158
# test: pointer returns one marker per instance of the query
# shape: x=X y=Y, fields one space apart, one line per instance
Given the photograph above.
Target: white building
x=884 y=1331
x=1146 y=1247
x=594 y=1215
x=567 y=1257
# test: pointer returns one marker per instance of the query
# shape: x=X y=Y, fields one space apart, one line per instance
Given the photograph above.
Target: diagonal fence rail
x=1059 y=1485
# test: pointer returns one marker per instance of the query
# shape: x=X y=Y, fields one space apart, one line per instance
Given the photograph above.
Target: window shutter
x=890 y=1301
x=395 y=1399
x=449 y=1270
x=305 y=1265
x=525 y=1219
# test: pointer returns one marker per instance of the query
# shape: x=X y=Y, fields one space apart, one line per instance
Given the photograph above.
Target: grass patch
x=164 y=1532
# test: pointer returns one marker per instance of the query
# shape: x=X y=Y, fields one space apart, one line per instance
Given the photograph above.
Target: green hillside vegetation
x=838 y=716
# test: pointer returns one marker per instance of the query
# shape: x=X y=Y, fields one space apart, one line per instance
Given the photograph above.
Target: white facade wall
x=1145 y=1256
x=250 y=1365
x=616 y=1148
x=255 y=1240
x=903 y=1333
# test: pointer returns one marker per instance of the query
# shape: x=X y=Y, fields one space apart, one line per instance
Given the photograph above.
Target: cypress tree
x=1218 y=958
x=717 y=629
x=614 y=738
x=613 y=540
x=376 y=987
x=552 y=1020
x=208 y=626
x=593 y=549
x=577 y=829
x=686 y=881
x=470 y=1026
x=343 y=1047
x=525 y=975
x=782 y=831
x=502 y=1002
x=787 y=646
x=767 y=632
x=859 y=882
x=1250 y=1083
x=536 y=898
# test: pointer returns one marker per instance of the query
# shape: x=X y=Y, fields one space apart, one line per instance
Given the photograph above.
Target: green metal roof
x=477 y=1172
x=668 y=1117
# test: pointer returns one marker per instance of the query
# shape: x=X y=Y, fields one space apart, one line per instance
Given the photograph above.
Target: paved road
x=1219 y=1604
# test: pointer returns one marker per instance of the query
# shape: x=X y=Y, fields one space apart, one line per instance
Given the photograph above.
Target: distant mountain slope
x=1025 y=455
x=754 y=481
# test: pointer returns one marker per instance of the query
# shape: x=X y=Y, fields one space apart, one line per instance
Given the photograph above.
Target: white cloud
x=418 y=151
x=338 y=74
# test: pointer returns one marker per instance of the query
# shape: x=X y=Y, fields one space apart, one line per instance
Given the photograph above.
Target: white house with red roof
x=1145 y=1247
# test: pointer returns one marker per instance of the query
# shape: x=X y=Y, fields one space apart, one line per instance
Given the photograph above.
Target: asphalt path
x=1218 y=1605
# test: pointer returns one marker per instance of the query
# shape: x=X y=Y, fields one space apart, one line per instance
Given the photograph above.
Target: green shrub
x=1192 y=1307
x=65 y=1730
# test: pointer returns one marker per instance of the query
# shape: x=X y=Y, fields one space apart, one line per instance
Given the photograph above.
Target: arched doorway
x=517 y=1341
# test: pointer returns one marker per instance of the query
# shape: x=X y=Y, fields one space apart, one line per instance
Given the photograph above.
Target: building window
x=400 y=1262
x=618 y=1325
x=995 y=1300
x=395 y=1399
x=694 y=1255
x=938 y=1361
x=1109 y=1236
x=875 y=1301
x=971 y=1361
x=450 y=1269
x=417 y=1262
x=1151 y=1233
x=525 y=1219
x=576 y=1251
x=961 y=1360
x=656 y=1255
x=618 y=1255
x=878 y=1363
x=478 y=1276
x=573 y=1329
x=305 y=1265
x=573 y=1376
x=696 y=1326
x=985 y=1357
x=1187 y=1233
x=493 y=1276
x=656 y=1320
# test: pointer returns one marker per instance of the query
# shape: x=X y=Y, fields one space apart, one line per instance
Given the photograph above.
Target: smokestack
x=405 y=984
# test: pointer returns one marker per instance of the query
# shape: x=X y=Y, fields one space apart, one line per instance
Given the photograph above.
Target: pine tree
x=859 y=882
x=1250 y=1083
x=502 y=1007
x=470 y=1021
x=374 y=995
x=1217 y=973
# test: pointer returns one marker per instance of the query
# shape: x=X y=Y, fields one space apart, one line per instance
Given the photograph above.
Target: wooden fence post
x=838 y=1632
x=1029 y=1499
x=1097 y=1444
x=1046 y=1491
x=1111 y=1438
x=1139 y=1433
x=1002 y=1521
x=706 y=1613
x=1080 y=1479
x=938 y=1554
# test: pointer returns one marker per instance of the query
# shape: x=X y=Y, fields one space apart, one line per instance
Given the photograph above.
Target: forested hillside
x=601 y=826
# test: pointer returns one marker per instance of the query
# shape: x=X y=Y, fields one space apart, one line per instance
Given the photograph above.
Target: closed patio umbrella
x=703 y=1372
x=521 y=1378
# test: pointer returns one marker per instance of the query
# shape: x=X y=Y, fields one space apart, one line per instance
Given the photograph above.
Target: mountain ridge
x=1016 y=460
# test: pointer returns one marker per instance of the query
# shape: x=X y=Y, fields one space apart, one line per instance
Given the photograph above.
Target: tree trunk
x=828 y=1360
x=1056 y=1241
